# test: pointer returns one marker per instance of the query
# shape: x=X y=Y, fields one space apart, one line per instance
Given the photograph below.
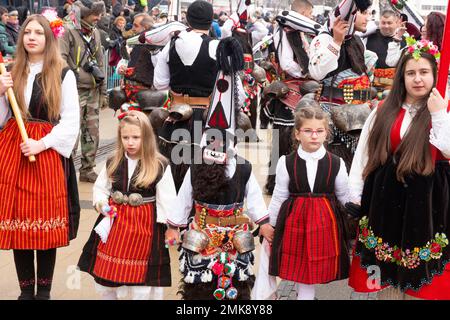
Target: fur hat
x=200 y=15
x=89 y=7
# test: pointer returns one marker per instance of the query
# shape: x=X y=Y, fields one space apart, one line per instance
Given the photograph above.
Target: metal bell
x=181 y=112
x=195 y=240
x=243 y=241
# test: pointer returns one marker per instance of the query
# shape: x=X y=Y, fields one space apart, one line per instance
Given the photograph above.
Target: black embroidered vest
x=37 y=107
x=327 y=171
x=196 y=80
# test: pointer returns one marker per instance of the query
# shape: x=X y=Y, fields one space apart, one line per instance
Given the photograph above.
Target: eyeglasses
x=318 y=132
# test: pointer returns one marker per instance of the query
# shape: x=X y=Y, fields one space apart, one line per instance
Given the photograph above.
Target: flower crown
x=56 y=24
x=415 y=48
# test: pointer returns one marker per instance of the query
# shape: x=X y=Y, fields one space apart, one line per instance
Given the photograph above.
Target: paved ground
x=71 y=284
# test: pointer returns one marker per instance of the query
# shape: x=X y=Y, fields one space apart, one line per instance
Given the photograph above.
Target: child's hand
x=436 y=102
x=172 y=236
x=267 y=231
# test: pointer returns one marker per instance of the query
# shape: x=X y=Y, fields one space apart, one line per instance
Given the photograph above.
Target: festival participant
x=136 y=92
x=133 y=195
x=291 y=56
x=187 y=65
x=432 y=30
x=39 y=206
x=389 y=30
x=340 y=61
x=216 y=257
x=310 y=243
x=400 y=174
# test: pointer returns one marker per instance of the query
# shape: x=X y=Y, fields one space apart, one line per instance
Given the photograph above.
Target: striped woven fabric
x=33 y=196
x=124 y=257
x=310 y=248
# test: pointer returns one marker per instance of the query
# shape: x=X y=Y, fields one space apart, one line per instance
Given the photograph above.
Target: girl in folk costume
x=401 y=175
x=217 y=252
x=310 y=243
x=39 y=207
x=133 y=195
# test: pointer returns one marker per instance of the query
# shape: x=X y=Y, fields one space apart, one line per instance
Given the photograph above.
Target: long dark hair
x=413 y=155
x=435 y=28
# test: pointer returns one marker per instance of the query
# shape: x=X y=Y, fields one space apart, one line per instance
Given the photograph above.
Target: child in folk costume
x=217 y=252
x=133 y=195
x=401 y=177
x=39 y=206
x=309 y=246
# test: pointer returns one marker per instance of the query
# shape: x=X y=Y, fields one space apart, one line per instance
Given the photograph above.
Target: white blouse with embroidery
x=63 y=136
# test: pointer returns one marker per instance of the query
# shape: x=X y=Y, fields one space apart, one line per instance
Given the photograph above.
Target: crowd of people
x=359 y=170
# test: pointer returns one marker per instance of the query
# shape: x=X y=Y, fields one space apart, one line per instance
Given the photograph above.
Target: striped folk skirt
x=309 y=247
x=33 y=195
x=124 y=258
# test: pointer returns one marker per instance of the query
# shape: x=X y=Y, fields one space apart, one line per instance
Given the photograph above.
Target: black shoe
x=42 y=295
x=26 y=296
x=263 y=126
x=89 y=176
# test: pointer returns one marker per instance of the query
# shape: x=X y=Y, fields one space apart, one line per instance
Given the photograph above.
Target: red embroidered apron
x=33 y=195
x=124 y=257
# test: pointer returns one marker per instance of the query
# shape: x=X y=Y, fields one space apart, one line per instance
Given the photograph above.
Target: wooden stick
x=16 y=109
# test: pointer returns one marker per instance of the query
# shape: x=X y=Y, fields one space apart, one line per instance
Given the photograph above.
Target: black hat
x=200 y=15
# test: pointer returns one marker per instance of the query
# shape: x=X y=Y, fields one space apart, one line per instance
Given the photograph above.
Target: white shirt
x=63 y=136
x=393 y=54
x=286 y=55
x=439 y=137
x=188 y=47
x=324 y=55
x=165 y=190
x=256 y=207
x=281 y=191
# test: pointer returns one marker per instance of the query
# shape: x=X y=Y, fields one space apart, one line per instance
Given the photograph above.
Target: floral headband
x=56 y=24
x=415 y=48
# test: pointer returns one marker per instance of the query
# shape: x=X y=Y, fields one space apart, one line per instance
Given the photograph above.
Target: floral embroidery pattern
x=128 y=262
x=36 y=225
x=410 y=259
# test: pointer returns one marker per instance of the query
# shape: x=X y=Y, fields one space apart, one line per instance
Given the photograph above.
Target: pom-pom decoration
x=219 y=294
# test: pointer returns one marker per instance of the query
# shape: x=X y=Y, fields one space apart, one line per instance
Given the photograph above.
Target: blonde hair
x=118 y=19
x=149 y=157
x=308 y=113
x=51 y=70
